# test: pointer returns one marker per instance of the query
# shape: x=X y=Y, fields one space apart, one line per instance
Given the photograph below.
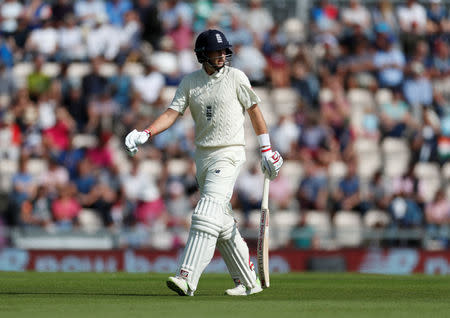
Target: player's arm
x=137 y=138
x=271 y=161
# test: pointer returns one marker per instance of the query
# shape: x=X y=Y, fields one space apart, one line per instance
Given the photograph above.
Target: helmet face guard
x=210 y=41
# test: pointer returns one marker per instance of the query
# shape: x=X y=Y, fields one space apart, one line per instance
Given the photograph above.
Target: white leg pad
x=205 y=228
x=235 y=253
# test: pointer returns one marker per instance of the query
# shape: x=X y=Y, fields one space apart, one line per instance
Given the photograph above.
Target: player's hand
x=271 y=163
x=135 y=139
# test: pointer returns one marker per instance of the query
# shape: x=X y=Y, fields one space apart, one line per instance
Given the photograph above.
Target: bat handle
x=265 y=197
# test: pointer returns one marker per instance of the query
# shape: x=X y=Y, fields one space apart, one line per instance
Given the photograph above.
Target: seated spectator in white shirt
x=251 y=61
x=43 y=41
x=10 y=11
x=412 y=17
x=103 y=40
x=259 y=19
x=356 y=14
x=70 y=40
x=89 y=11
x=150 y=85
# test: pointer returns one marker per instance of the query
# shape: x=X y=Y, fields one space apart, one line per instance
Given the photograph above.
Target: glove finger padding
x=273 y=165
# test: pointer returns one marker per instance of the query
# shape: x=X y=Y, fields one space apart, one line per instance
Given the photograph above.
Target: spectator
x=102 y=112
x=437 y=215
x=418 y=90
x=395 y=116
x=305 y=82
x=147 y=11
x=251 y=61
x=240 y=34
x=384 y=17
x=70 y=158
x=249 y=188
x=90 y=11
x=440 y=61
x=53 y=178
x=116 y=9
x=304 y=235
x=259 y=19
x=7 y=85
x=347 y=196
x=389 y=62
x=93 y=83
x=120 y=85
x=150 y=85
x=43 y=40
x=325 y=18
x=10 y=10
x=71 y=45
x=312 y=193
x=285 y=135
x=412 y=17
x=37 y=12
x=223 y=12
x=66 y=208
x=61 y=9
x=174 y=11
x=37 y=81
x=103 y=40
x=281 y=193
x=436 y=16
x=37 y=212
x=356 y=14
x=23 y=183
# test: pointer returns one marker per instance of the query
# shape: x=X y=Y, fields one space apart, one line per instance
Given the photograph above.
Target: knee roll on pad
x=208 y=216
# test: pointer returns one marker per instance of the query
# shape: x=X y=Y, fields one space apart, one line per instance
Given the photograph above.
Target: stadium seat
x=320 y=221
x=51 y=69
x=78 y=70
x=90 y=221
x=348 y=226
x=293 y=170
x=336 y=171
x=20 y=72
x=374 y=218
x=37 y=166
x=396 y=155
x=360 y=99
x=151 y=168
x=369 y=157
x=285 y=100
x=383 y=96
x=283 y=222
x=133 y=69
x=108 y=69
x=294 y=30
x=84 y=141
x=8 y=168
x=177 y=167
x=430 y=179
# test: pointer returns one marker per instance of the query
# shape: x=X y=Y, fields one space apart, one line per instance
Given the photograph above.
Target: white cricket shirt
x=217 y=103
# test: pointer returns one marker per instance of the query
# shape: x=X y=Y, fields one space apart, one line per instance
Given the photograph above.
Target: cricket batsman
x=218 y=96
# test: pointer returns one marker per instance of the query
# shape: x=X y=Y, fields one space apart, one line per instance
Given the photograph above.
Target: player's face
x=217 y=58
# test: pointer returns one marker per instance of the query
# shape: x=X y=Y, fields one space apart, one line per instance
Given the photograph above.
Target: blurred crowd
x=367 y=128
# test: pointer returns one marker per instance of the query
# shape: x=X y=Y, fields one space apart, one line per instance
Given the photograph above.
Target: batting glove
x=135 y=139
x=271 y=162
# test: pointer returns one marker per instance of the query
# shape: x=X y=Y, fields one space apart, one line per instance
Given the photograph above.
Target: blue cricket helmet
x=209 y=41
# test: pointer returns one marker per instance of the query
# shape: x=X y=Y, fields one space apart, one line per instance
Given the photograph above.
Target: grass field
x=295 y=295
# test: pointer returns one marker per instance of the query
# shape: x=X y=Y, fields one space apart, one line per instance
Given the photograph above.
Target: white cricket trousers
x=213 y=223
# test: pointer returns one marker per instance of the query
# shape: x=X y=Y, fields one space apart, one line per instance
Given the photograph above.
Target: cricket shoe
x=241 y=290
x=180 y=286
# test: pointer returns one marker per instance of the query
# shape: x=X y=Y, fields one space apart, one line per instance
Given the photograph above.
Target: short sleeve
x=246 y=95
x=180 y=100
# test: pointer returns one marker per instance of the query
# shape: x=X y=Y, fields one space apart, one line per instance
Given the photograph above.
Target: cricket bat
x=263 y=238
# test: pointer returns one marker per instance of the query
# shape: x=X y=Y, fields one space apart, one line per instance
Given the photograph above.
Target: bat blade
x=263 y=239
